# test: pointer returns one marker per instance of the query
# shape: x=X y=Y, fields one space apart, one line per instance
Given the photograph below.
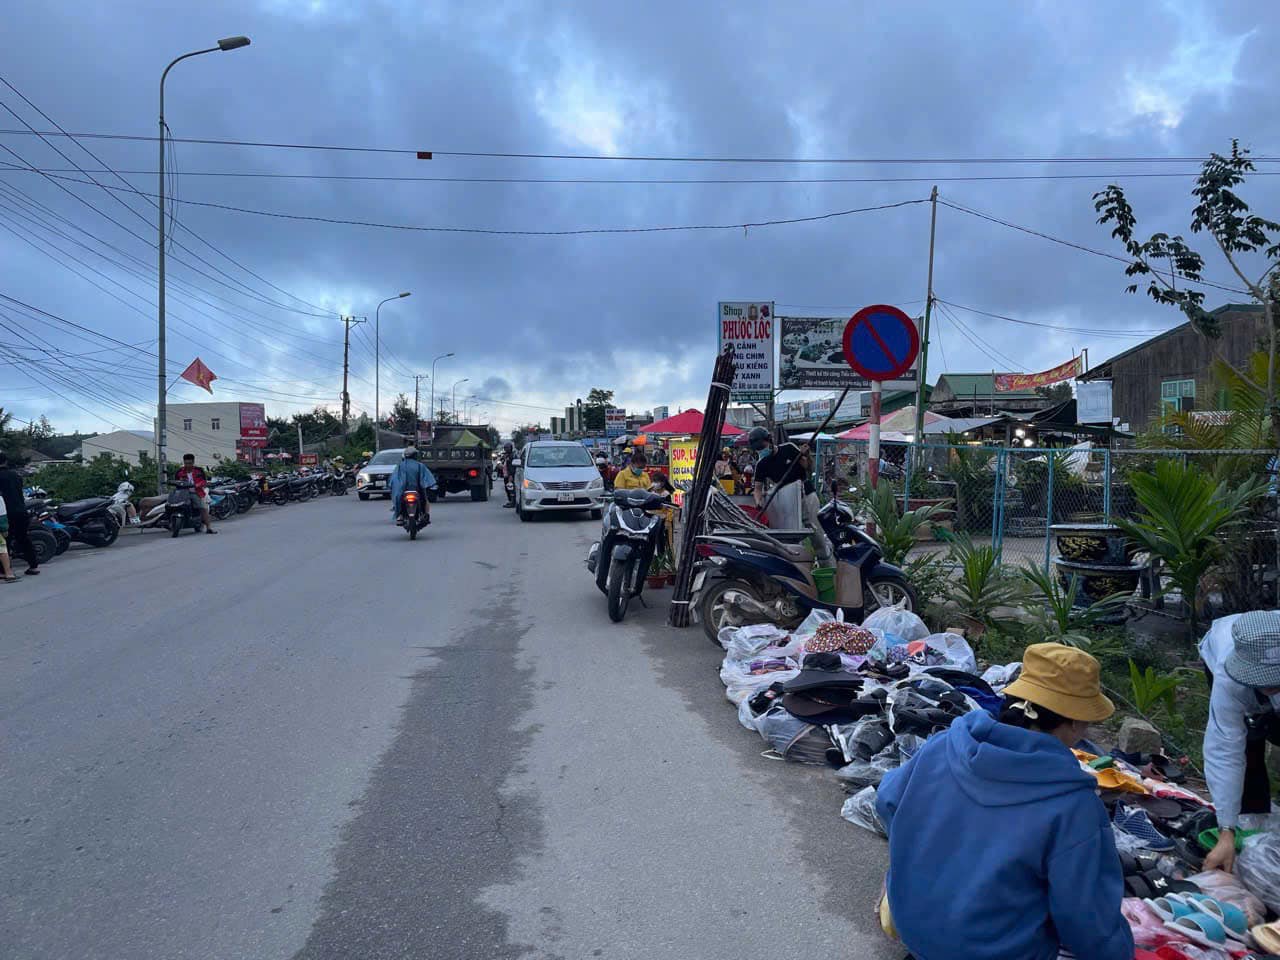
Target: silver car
x=557 y=475
x=374 y=478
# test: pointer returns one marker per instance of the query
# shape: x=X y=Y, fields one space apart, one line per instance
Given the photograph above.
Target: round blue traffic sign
x=881 y=342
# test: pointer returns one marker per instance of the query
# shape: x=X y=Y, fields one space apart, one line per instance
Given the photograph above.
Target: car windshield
x=570 y=456
x=386 y=458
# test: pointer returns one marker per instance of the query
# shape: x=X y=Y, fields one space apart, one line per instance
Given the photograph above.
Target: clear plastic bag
x=1258 y=867
x=796 y=739
x=999 y=677
x=903 y=624
x=742 y=643
x=812 y=622
x=749 y=686
x=860 y=810
x=955 y=651
x=1227 y=888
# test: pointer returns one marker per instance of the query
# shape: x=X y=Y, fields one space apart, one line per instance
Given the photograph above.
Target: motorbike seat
x=147 y=504
x=67 y=510
x=794 y=551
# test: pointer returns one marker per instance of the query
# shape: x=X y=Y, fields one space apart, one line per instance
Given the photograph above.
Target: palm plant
x=1054 y=609
x=1183 y=513
x=897 y=530
x=981 y=585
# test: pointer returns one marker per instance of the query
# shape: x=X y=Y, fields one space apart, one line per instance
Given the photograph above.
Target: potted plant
x=662 y=571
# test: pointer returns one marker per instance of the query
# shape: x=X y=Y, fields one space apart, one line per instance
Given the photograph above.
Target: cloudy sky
x=535 y=321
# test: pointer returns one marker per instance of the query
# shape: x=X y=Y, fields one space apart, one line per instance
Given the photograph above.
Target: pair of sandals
x=1202 y=919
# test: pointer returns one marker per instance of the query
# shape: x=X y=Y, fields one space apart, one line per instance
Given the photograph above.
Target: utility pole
x=346 y=363
x=928 y=313
x=417 y=417
x=299 y=441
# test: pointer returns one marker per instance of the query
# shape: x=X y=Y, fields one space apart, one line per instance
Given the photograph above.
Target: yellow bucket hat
x=1062 y=679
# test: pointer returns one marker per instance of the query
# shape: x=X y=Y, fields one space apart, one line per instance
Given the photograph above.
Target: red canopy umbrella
x=689 y=422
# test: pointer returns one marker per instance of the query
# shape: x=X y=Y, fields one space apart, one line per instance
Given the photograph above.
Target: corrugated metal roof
x=966 y=385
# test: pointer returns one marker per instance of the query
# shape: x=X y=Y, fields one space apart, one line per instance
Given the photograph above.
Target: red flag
x=199 y=374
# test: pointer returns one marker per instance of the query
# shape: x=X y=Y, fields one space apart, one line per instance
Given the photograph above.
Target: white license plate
x=698 y=580
x=566 y=497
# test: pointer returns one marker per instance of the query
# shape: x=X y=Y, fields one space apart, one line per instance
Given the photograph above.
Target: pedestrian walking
x=16 y=508
x=6 y=571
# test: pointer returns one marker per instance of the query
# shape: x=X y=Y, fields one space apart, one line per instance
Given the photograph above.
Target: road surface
x=308 y=737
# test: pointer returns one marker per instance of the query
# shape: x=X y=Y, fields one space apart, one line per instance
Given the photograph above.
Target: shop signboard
x=615 y=422
x=811 y=357
x=253 y=421
x=1030 y=381
x=683 y=455
x=817 y=409
x=748 y=326
x=1093 y=401
x=789 y=411
x=309 y=459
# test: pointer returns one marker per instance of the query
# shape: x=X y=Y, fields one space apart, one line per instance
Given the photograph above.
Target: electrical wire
x=1088 y=331
x=994 y=355
x=7 y=167
x=429 y=154
x=1077 y=246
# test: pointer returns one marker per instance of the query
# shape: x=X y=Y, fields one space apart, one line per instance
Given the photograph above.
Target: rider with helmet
x=121 y=504
x=781 y=465
x=411 y=474
x=508 y=472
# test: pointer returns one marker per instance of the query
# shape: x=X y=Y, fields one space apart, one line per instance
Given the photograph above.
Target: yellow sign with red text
x=683 y=455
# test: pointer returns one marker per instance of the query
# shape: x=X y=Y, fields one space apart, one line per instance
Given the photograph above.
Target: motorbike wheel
x=889 y=592
x=244 y=503
x=712 y=610
x=224 y=508
x=620 y=573
x=411 y=524
x=363 y=496
x=43 y=544
x=280 y=497
x=63 y=541
x=107 y=536
x=175 y=524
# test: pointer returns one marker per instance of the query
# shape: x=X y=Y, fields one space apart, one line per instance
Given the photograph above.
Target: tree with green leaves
x=402 y=416
x=520 y=434
x=1057 y=393
x=1241 y=236
x=594 y=406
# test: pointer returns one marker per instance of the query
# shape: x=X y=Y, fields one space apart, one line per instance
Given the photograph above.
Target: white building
x=128 y=445
x=213 y=431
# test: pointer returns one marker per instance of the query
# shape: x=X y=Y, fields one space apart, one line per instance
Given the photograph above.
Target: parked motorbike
x=631 y=535
x=759 y=575
x=89 y=521
x=43 y=520
x=274 y=490
x=181 y=509
x=222 y=503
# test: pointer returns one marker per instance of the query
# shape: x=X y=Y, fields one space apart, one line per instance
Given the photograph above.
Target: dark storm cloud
x=551 y=317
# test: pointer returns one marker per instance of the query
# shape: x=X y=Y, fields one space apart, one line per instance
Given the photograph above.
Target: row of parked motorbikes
x=97 y=521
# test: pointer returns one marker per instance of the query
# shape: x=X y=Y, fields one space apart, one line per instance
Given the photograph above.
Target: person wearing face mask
x=633 y=477
x=999 y=846
x=784 y=464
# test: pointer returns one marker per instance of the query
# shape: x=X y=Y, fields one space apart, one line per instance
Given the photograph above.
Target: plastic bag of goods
x=860 y=810
x=811 y=623
x=955 y=650
x=903 y=624
x=748 y=687
x=740 y=643
x=796 y=739
x=1258 y=868
x=1226 y=887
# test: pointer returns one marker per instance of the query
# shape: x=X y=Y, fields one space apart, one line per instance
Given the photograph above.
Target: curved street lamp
x=226 y=43
x=443 y=356
x=455 y=395
x=377 y=363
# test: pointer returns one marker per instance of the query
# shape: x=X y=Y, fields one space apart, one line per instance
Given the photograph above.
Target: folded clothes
x=1110 y=778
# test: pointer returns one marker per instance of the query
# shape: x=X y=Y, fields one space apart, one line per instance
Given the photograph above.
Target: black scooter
x=89 y=521
x=181 y=509
x=631 y=536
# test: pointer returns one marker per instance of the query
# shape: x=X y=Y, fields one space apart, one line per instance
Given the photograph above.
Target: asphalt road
x=308 y=737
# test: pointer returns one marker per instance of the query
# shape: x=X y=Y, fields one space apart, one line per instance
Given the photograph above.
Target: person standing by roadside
x=16 y=508
x=196 y=476
x=6 y=571
x=783 y=464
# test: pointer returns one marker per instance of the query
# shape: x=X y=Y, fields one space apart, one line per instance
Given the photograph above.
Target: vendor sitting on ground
x=633 y=477
x=999 y=848
x=1242 y=657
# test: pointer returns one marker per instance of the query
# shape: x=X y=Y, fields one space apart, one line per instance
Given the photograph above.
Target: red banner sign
x=309 y=459
x=1029 y=381
x=253 y=421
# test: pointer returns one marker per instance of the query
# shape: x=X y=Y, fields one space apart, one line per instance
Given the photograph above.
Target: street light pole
x=432 y=412
x=455 y=395
x=377 y=366
x=226 y=43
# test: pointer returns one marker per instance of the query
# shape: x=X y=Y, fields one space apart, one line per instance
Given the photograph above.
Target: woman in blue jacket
x=999 y=848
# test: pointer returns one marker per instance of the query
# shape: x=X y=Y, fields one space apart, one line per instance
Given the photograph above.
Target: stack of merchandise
x=863 y=699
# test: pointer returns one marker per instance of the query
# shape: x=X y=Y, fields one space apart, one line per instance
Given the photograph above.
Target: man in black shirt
x=784 y=464
x=16 y=505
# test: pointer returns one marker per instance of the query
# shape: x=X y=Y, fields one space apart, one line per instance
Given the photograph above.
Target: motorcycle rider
x=121 y=499
x=200 y=495
x=784 y=464
x=508 y=472
x=410 y=474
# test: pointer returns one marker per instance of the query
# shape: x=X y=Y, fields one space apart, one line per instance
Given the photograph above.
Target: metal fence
x=1012 y=496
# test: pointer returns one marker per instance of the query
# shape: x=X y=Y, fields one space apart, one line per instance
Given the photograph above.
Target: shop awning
x=689 y=422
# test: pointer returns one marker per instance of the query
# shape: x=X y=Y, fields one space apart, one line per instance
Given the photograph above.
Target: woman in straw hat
x=999 y=848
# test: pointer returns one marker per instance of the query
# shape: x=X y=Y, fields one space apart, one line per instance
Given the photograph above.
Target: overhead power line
x=8 y=167
x=649 y=158
x=1083 y=331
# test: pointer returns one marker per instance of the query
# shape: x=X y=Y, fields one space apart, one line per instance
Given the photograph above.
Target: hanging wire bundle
x=703 y=478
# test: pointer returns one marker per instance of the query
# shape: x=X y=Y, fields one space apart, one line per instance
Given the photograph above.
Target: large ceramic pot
x=1099 y=580
x=1092 y=543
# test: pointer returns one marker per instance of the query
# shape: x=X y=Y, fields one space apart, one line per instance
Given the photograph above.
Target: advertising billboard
x=253 y=421
x=749 y=327
x=811 y=357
